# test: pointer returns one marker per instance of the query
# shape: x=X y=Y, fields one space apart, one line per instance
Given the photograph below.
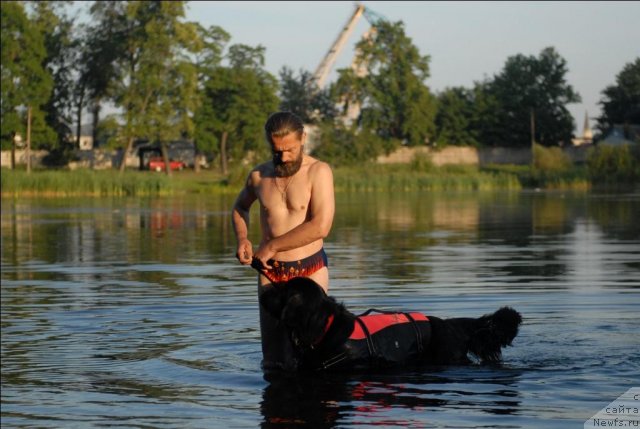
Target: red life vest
x=377 y=322
x=382 y=340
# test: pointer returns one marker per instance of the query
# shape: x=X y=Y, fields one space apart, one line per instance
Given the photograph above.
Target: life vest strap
x=417 y=330
x=367 y=335
x=332 y=361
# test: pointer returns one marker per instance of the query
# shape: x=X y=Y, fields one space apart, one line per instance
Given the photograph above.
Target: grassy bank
x=371 y=178
x=143 y=183
x=107 y=183
x=427 y=178
x=574 y=178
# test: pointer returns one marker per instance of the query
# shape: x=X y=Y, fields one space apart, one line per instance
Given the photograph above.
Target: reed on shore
x=82 y=183
x=367 y=178
x=395 y=177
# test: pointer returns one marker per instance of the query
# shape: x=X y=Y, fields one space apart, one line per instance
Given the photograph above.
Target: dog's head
x=302 y=306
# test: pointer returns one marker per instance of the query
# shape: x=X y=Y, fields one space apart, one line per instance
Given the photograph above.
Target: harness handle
x=406 y=314
x=371 y=310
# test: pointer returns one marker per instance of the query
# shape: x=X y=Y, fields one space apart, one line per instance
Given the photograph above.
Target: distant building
x=621 y=134
x=86 y=137
x=587 y=133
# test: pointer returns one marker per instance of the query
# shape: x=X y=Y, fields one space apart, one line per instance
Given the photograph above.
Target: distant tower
x=587 y=134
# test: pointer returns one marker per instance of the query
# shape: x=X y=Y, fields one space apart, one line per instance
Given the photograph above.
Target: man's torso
x=284 y=204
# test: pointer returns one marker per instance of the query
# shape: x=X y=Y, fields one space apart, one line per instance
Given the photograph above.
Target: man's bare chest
x=280 y=195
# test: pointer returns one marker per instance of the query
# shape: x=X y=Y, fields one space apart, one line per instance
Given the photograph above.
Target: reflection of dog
x=327 y=336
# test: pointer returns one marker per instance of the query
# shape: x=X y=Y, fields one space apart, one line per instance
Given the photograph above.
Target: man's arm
x=240 y=220
x=318 y=223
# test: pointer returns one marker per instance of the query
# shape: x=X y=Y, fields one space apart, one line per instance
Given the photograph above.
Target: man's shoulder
x=315 y=165
x=319 y=171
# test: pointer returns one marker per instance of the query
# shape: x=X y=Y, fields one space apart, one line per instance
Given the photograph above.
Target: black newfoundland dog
x=326 y=336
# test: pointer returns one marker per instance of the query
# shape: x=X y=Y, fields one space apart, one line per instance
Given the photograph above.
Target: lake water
x=135 y=313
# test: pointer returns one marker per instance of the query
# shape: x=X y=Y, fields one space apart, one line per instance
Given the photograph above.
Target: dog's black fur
x=302 y=306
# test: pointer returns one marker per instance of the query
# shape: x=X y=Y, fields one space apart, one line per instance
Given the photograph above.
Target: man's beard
x=287 y=169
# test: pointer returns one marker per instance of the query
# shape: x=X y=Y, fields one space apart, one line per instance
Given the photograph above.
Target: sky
x=466 y=41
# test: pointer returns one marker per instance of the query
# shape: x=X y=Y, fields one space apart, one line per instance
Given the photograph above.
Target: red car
x=157 y=164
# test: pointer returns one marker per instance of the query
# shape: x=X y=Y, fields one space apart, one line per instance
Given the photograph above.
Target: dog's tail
x=493 y=332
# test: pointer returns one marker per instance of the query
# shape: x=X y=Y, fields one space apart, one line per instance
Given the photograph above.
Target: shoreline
x=370 y=178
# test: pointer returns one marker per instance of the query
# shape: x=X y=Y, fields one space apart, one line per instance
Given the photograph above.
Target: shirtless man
x=296 y=212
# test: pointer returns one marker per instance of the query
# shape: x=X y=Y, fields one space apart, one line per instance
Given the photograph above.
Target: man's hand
x=262 y=256
x=245 y=252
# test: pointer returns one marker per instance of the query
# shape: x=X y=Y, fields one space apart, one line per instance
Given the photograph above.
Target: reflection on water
x=389 y=399
x=134 y=313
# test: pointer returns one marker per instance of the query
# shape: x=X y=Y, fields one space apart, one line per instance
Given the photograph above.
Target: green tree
x=395 y=102
x=302 y=96
x=208 y=61
x=101 y=51
x=621 y=102
x=236 y=100
x=209 y=57
x=529 y=84
x=157 y=80
x=455 y=118
x=61 y=47
x=485 y=122
x=343 y=146
x=25 y=82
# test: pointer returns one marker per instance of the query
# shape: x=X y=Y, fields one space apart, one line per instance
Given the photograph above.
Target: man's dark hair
x=280 y=124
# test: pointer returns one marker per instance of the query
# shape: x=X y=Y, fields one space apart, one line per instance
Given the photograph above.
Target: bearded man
x=297 y=205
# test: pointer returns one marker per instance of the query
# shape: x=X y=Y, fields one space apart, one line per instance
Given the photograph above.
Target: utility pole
x=533 y=138
x=29 y=139
x=14 y=138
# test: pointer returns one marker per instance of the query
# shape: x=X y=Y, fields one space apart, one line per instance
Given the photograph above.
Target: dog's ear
x=273 y=300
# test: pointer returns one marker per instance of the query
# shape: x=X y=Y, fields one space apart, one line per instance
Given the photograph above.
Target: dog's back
x=388 y=339
x=484 y=337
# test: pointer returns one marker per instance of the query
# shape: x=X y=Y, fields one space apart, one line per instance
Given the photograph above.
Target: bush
x=422 y=162
x=237 y=176
x=614 y=164
x=550 y=159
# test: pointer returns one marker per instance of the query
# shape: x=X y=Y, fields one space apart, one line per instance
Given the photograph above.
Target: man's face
x=287 y=154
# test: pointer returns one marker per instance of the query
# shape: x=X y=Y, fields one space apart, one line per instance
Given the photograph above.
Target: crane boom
x=322 y=72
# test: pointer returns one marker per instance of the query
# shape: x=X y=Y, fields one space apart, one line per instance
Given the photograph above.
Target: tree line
x=172 y=79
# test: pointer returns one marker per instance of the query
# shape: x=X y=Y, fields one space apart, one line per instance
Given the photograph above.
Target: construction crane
x=324 y=68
